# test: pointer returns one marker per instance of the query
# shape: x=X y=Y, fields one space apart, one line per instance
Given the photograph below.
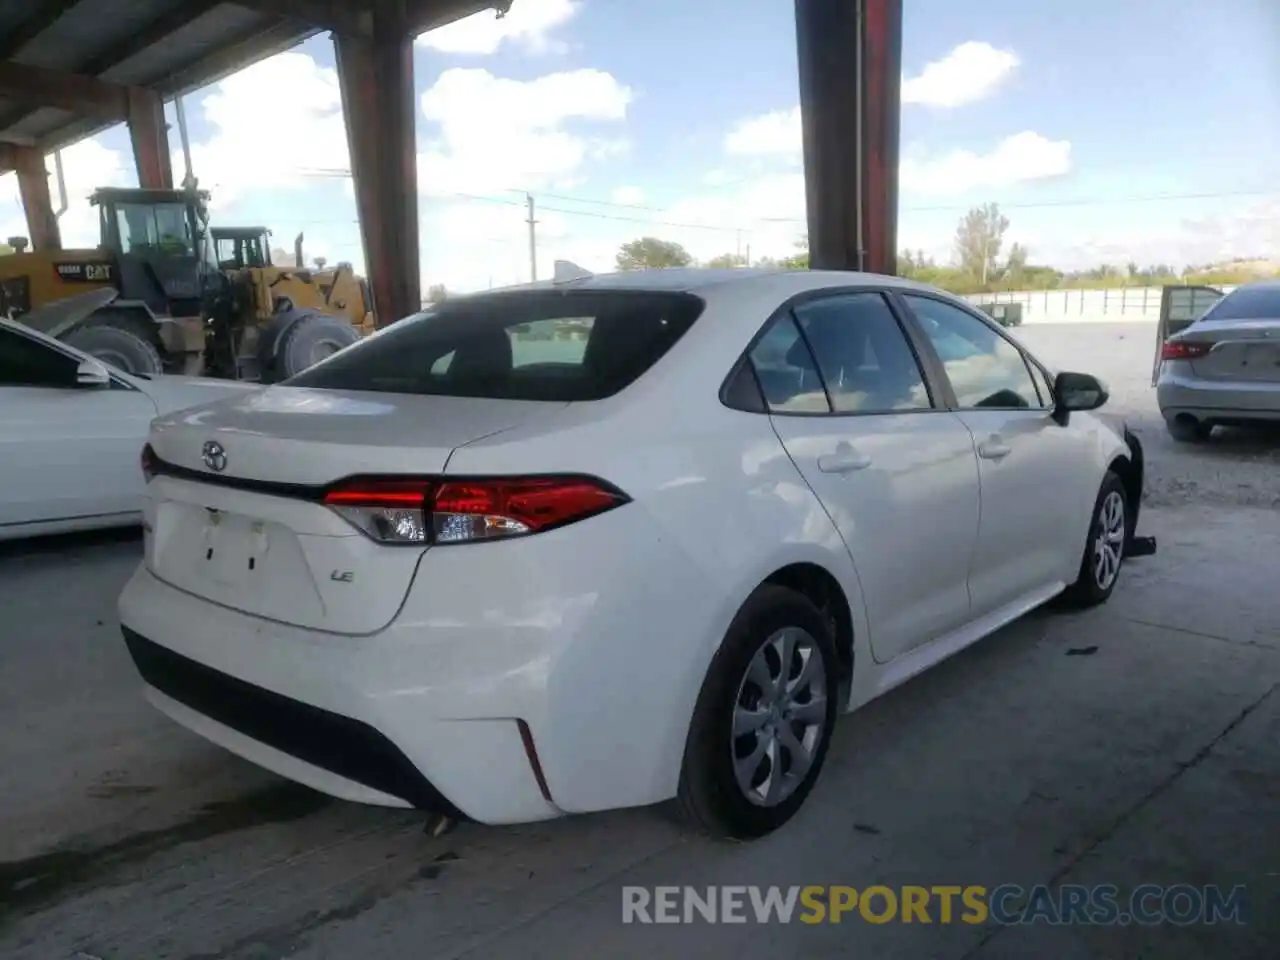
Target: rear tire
x=1104 y=547
x=1189 y=430
x=117 y=343
x=312 y=339
x=746 y=785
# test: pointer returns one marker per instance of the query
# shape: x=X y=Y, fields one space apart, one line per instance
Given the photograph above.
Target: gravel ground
x=1238 y=467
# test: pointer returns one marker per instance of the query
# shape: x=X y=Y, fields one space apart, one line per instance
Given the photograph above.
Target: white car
x=606 y=542
x=71 y=430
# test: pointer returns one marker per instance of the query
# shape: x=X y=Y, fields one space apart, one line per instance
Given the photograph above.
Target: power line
x=1067 y=202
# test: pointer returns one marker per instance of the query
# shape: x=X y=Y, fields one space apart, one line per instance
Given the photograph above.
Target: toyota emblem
x=214 y=457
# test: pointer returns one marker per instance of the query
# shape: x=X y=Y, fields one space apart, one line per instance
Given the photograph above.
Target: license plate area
x=233 y=550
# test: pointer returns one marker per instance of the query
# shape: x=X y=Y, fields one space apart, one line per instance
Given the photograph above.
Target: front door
x=1036 y=498
x=895 y=473
x=66 y=451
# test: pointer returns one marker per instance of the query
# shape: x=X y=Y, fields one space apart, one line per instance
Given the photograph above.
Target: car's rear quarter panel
x=637 y=601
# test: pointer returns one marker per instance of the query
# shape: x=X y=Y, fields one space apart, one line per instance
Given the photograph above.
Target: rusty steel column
x=376 y=77
x=850 y=59
x=150 y=135
x=37 y=202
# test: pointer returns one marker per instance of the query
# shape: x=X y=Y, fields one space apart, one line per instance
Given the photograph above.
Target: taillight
x=148 y=462
x=1184 y=350
x=399 y=510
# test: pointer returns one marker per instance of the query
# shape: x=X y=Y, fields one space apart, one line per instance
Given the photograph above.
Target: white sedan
x=613 y=540
x=71 y=432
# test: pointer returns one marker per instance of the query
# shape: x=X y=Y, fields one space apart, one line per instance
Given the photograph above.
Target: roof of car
x=696 y=279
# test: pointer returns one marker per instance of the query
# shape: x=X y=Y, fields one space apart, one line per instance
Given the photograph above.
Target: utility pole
x=533 y=238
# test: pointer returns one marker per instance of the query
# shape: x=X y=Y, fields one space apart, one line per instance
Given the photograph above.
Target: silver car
x=1222 y=368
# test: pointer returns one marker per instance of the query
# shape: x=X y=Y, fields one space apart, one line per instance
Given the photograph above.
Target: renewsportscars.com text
x=1008 y=904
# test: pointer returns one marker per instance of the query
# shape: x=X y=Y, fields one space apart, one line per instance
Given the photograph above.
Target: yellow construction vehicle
x=337 y=290
x=175 y=309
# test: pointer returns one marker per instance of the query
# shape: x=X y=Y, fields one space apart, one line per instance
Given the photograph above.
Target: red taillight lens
x=1184 y=350
x=419 y=511
x=148 y=462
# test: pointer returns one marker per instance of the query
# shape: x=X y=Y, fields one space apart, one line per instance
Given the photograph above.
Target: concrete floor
x=1032 y=758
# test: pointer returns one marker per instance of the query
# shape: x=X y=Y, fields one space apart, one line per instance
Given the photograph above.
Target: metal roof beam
x=88 y=96
x=250 y=47
x=424 y=15
x=343 y=17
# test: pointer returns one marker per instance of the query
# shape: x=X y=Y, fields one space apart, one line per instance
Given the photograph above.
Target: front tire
x=763 y=722
x=1104 y=548
x=120 y=344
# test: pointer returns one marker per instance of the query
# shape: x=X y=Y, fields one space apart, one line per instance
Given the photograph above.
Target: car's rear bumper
x=520 y=681
x=1179 y=394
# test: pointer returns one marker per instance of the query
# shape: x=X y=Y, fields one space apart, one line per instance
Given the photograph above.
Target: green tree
x=650 y=253
x=798 y=260
x=727 y=260
x=979 y=238
x=5 y=249
x=437 y=293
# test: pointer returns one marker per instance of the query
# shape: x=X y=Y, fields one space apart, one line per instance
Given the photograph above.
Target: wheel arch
x=824 y=591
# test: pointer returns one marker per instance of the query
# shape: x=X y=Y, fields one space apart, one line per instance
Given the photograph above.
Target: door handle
x=845 y=461
x=993 y=448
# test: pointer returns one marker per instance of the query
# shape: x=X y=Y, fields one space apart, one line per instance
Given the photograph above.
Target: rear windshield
x=1247 y=303
x=559 y=345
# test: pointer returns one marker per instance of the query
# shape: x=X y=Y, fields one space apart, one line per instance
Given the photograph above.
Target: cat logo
x=343 y=576
x=83 y=272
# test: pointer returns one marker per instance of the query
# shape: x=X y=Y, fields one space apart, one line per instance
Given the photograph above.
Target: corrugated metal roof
x=172 y=46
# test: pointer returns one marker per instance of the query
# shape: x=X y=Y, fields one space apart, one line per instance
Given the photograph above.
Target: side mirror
x=1078 y=391
x=92 y=373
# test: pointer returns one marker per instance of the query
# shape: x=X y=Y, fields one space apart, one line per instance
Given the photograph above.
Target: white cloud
x=628 y=196
x=1026 y=156
x=1128 y=232
x=257 y=147
x=970 y=72
x=500 y=134
x=772 y=134
x=1023 y=157
x=528 y=24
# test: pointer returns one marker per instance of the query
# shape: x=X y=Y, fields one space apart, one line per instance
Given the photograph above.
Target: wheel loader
x=336 y=290
x=175 y=308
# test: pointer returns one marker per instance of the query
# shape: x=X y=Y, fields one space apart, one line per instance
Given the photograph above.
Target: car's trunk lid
x=1240 y=350
x=241 y=524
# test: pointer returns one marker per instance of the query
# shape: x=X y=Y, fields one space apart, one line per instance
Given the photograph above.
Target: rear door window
x=865 y=359
x=553 y=346
x=786 y=370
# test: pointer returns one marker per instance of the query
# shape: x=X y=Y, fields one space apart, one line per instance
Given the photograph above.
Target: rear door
x=895 y=471
x=1180 y=306
x=66 y=451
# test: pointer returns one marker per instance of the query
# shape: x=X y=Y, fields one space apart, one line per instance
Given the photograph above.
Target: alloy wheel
x=1108 y=545
x=779 y=717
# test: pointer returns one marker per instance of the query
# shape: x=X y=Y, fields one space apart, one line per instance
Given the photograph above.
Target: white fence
x=1074 y=306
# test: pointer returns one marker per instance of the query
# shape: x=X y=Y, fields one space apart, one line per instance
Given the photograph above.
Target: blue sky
x=1096 y=125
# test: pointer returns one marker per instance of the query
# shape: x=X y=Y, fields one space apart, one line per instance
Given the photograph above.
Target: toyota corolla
x=610 y=541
